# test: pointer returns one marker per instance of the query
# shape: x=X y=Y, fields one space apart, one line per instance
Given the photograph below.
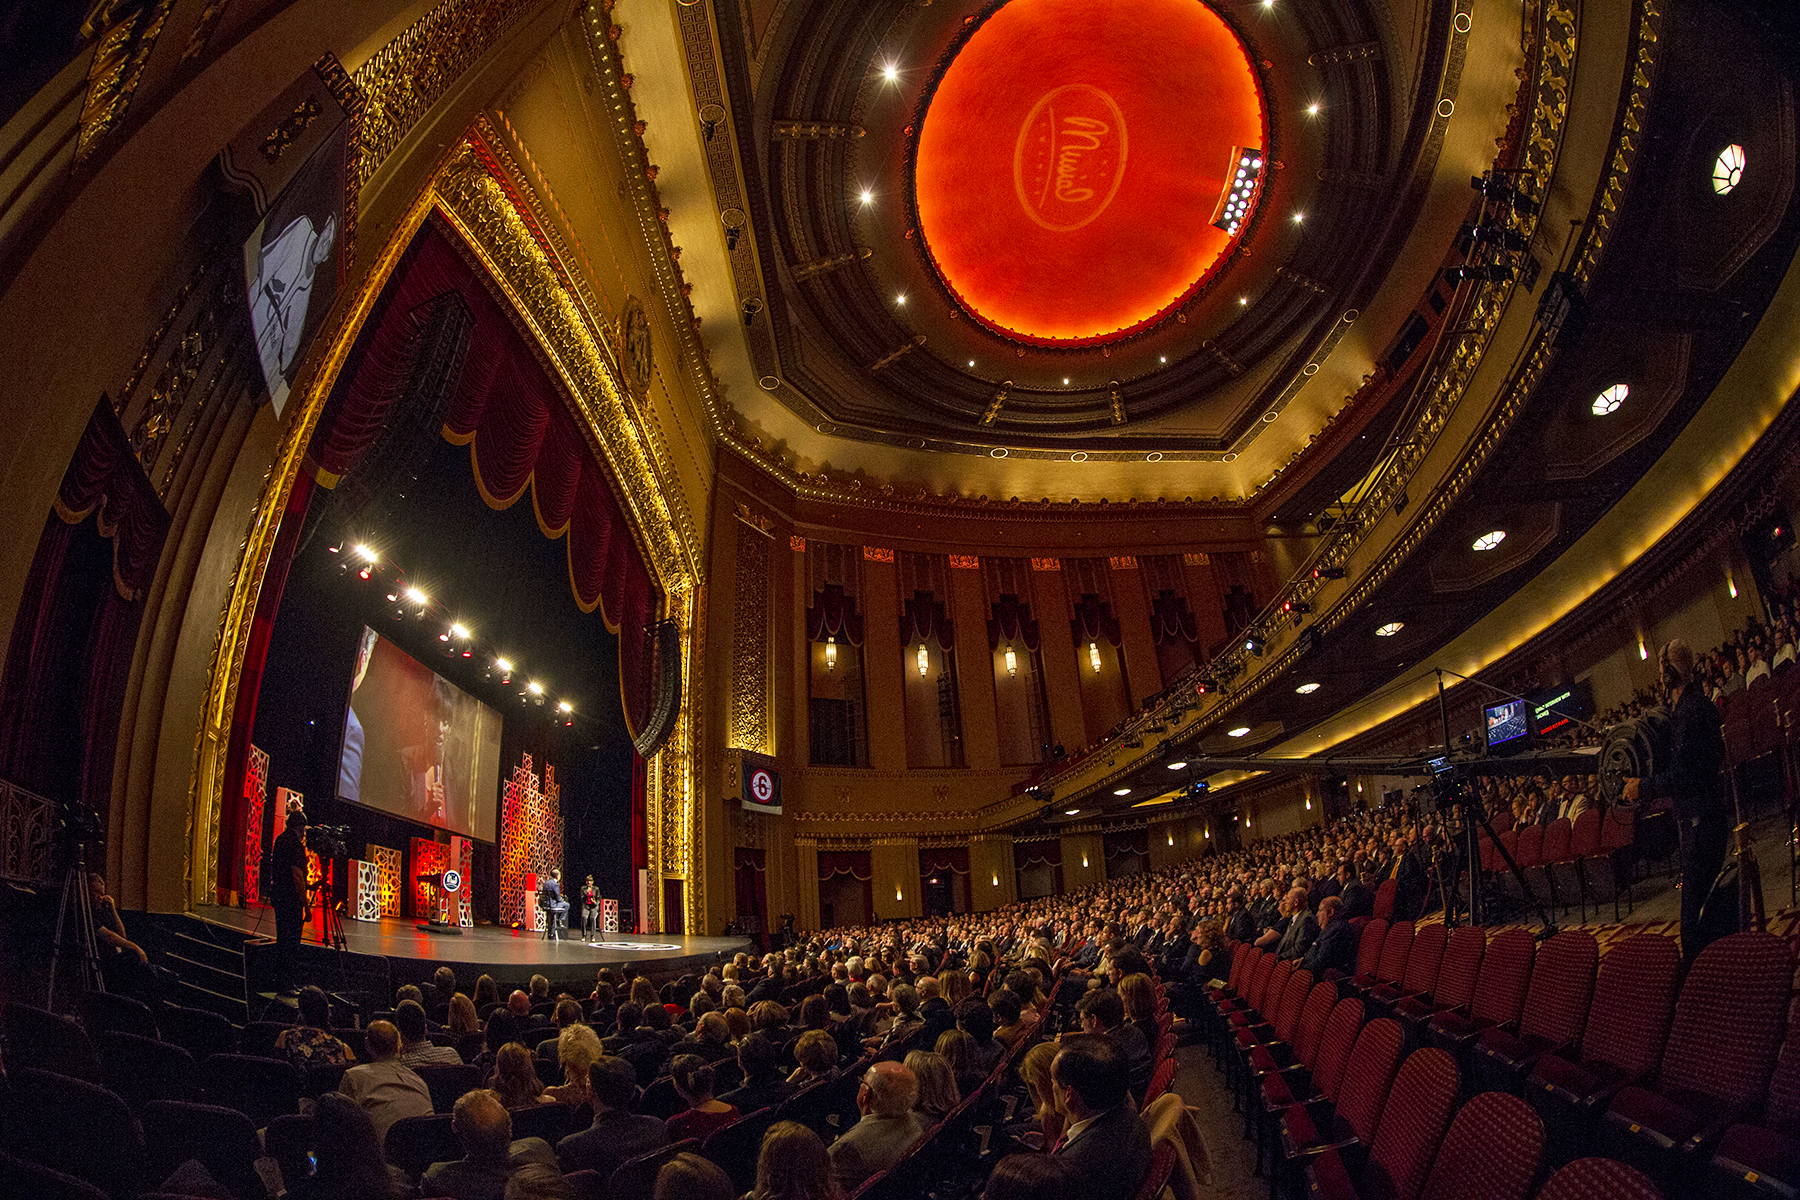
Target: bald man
x=483 y=1129
x=888 y=1125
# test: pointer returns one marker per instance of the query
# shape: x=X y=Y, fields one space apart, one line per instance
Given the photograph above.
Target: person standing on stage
x=287 y=871
x=590 y=910
x=1691 y=780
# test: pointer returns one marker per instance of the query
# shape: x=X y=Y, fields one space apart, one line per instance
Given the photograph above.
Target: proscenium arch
x=511 y=252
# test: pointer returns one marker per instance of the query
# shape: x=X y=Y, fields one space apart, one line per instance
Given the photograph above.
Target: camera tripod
x=78 y=903
x=333 y=923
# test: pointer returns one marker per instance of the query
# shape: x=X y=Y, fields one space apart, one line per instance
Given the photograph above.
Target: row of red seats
x=1569 y=860
x=1607 y=1051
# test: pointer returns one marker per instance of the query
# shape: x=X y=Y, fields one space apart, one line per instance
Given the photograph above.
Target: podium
x=444 y=884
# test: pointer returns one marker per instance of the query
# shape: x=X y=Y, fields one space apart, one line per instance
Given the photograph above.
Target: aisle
x=1200 y=1086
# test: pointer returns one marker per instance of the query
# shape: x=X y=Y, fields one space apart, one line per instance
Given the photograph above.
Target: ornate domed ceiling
x=1006 y=249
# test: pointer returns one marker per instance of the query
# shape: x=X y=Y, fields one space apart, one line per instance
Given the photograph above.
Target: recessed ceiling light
x=1240 y=731
x=1488 y=541
x=1312 y=110
x=900 y=299
x=1121 y=791
x=1243 y=300
x=1611 y=400
x=1390 y=629
x=1299 y=217
x=890 y=72
x=868 y=197
x=1176 y=766
x=1164 y=358
x=1728 y=169
x=1307 y=689
x=971 y=362
x=1069 y=812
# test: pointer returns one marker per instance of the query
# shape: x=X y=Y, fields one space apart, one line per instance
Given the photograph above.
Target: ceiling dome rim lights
x=925 y=205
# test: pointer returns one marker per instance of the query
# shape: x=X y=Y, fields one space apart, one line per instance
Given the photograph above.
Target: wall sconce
x=1731 y=583
x=897 y=893
x=1642 y=651
x=1246 y=821
x=1084 y=860
x=1094 y=656
x=996 y=881
x=1208 y=833
x=924 y=660
x=831 y=654
x=1012 y=663
x=1171 y=839
x=1309 y=804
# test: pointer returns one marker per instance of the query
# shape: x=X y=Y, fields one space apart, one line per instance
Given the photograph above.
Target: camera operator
x=1691 y=780
x=287 y=871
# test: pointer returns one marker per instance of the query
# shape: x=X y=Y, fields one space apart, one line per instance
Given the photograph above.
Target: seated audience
x=487 y=996
x=938 y=1091
x=793 y=1165
x=416 y=1049
x=888 y=1125
x=577 y=1049
x=483 y=1129
x=1103 y=1013
x=1336 y=947
x=310 y=1043
x=762 y=1085
x=693 y=1077
x=1029 y=1177
x=1106 y=1146
x=817 y=1054
x=958 y=1050
x=349 y=1162
x=515 y=1081
x=384 y=1087
x=535 y=1181
x=616 y=1133
x=461 y=1018
x=688 y=1176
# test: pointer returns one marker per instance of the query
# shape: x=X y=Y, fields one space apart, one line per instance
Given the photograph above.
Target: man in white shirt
x=386 y=1088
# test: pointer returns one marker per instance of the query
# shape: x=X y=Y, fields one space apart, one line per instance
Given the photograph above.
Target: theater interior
x=1278 y=389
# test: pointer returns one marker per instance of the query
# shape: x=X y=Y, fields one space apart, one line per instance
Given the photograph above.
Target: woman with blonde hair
x=577 y=1048
x=959 y=1049
x=1139 y=995
x=954 y=987
x=1034 y=1069
x=643 y=993
x=938 y=1093
x=514 y=1081
x=793 y=1165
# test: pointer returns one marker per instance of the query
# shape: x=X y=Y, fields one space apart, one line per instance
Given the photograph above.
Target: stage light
x=1299 y=217
x=563 y=706
x=900 y=299
x=1309 y=804
x=1012 y=663
x=460 y=631
x=924 y=660
x=1234 y=205
x=1328 y=572
x=468 y=654
x=1094 y=656
x=831 y=654
x=363 y=574
x=1205 y=684
x=1254 y=645
x=1240 y=731
x=1176 y=766
x=1307 y=689
x=444 y=637
x=503 y=665
x=1731 y=585
x=1122 y=791
x=535 y=688
x=1295 y=606
x=417 y=597
x=367 y=554
x=1199 y=787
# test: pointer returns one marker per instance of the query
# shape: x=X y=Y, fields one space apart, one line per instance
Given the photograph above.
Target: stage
x=510 y=956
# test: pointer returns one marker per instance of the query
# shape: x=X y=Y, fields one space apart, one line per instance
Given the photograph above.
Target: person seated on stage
x=616 y=1134
x=1106 y=1145
x=694 y=1084
x=887 y=1128
x=817 y=1054
x=577 y=1049
x=515 y=1080
x=416 y=1048
x=483 y=1129
x=711 y=1039
x=461 y=1018
x=437 y=1001
x=552 y=904
x=310 y=1044
x=763 y=1085
x=386 y=1088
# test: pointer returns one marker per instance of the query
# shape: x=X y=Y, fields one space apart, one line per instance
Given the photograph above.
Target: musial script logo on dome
x=1070 y=157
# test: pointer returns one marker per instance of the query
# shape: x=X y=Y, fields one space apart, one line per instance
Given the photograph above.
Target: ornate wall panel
x=531 y=835
x=256 y=790
x=387 y=864
x=750 y=675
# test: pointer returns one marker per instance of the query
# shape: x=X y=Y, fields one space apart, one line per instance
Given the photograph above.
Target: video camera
x=328 y=841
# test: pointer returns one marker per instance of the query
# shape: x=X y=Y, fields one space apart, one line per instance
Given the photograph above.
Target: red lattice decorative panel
x=388 y=862
x=256 y=791
x=428 y=858
x=531 y=835
x=462 y=857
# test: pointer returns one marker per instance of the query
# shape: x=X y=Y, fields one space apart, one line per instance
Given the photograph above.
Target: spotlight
x=1255 y=645
x=363 y=574
x=1328 y=572
x=417 y=597
x=1205 y=684
x=367 y=554
x=1295 y=606
x=1199 y=787
x=535 y=688
x=563 y=706
x=503 y=666
x=460 y=631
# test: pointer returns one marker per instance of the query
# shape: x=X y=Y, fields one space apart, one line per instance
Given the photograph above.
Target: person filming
x=287 y=879
x=1691 y=782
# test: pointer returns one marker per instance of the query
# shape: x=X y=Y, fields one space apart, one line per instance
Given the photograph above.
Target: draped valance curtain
x=833 y=614
x=954 y=859
x=1129 y=842
x=1094 y=621
x=1171 y=620
x=1012 y=621
x=854 y=863
x=1032 y=854
x=923 y=617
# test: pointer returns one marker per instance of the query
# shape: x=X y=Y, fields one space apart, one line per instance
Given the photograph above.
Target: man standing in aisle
x=1691 y=781
x=287 y=872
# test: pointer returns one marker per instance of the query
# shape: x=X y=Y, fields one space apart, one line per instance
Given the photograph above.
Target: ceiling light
x=416 y=596
x=868 y=197
x=971 y=362
x=891 y=73
x=1312 y=110
x=461 y=631
x=1307 y=689
x=1240 y=731
x=563 y=706
x=1611 y=400
x=366 y=552
x=503 y=665
x=1243 y=300
x=1390 y=629
x=1488 y=541
x=1121 y=791
x=1728 y=169
x=535 y=688
x=1299 y=217
x=1164 y=358
x=1176 y=766
x=1069 y=812
x=900 y=299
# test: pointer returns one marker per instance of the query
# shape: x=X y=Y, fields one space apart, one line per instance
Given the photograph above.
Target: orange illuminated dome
x=1077 y=174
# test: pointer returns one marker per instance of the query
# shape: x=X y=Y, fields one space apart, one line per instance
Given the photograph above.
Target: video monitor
x=1508 y=722
x=417 y=746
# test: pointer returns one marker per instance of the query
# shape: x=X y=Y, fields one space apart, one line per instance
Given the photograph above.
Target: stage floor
x=495 y=950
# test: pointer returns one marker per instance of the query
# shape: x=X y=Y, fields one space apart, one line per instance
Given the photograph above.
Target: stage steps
x=207 y=961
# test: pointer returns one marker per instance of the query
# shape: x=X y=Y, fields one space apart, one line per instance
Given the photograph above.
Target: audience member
x=1029 y=1177
x=616 y=1133
x=888 y=1125
x=384 y=1087
x=416 y=1047
x=688 y=1176
x=349 y=1162
x=483 y=1129
x=515 y=1080
x=577 y=1050
x=793 y=1165
x=310 y=1043
x=938 y=1091
x=763 y=1085
x=1106 y=1145
x=693 y=1077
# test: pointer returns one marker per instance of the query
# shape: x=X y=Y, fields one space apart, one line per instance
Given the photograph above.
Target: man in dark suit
x=1103 y=1013
x=616 y=1133
x=1106 y=1145
x=287 y=875
x=1359 y=901
x=1240 y=922
x=1336 y=945
x=483 y=1128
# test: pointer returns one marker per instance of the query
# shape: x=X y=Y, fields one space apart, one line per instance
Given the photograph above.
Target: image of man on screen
x=280 y=293
x=422 y=753
x=350 y=762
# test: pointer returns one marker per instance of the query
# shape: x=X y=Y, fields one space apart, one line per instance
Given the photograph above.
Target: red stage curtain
x=752 y=890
